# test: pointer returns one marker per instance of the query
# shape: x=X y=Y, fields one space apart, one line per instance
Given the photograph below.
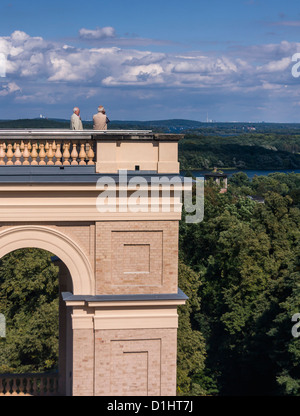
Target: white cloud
x=9 y=88
x=19 y=36
x=34 y=58
x=99 y=33
x=276 y=66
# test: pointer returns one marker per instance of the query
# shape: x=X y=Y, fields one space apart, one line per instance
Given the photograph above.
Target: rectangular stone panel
x=135 y=362
x=135 y=368
x=137 y=258
x=134 y=257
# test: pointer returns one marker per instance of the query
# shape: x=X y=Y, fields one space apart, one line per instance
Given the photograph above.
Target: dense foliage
x=29 y=302
x=246 y=151
x=247 y=256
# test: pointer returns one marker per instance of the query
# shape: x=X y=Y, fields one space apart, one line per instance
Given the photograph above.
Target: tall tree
x=29 y=301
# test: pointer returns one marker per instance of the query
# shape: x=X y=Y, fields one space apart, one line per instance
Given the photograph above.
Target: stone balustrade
x=30 y=384
x=47 y=152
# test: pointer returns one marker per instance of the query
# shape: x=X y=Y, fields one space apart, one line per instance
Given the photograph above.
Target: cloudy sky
x=143 y=60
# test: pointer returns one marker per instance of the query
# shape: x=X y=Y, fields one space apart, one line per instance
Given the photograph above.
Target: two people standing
x=100 y=119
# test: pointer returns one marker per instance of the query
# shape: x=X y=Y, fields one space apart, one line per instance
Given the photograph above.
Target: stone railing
x=32 y=384
x=47 y=152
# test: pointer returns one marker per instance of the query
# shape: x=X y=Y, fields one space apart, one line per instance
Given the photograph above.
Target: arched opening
x=38 y=264
x=54 y=241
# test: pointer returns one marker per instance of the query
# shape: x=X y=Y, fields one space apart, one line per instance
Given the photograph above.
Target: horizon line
x=157 y=120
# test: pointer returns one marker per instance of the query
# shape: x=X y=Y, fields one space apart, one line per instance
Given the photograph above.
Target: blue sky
x=192 y=59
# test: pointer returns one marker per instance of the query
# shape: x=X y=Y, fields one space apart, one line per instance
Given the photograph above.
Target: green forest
x=244 y=151
x=240 y=268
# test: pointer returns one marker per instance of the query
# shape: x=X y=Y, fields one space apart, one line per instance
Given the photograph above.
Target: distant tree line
x=251 y=151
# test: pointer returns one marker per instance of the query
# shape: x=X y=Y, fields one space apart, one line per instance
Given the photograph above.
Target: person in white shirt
x=76 y=123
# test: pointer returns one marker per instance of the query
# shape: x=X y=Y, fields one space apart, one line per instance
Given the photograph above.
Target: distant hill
x=34 y=124
x=156 y=125
x=189 y=127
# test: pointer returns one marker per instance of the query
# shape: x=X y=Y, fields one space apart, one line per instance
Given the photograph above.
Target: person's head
x=101 y=109
x=76 y=111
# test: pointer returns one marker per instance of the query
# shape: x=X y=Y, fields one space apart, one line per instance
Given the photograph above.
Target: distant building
x=219 y=178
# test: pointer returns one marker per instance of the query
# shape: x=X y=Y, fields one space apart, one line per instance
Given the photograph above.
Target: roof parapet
x=108 y=150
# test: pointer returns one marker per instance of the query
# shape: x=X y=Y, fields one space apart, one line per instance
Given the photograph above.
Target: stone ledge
x=179 y=296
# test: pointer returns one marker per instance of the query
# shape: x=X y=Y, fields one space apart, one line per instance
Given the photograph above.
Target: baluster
x=14 y=386
x=34 y=386
x=18 y=154
x=46 y=148
x=18 y=385
x=22 y=146
x=2 y=153
x=74 y=155
x=42 y=154
x=48 y=386
x=34 y=154
x=9 y=154
x=29 y=386
x=4 y=386
x=25 y=386
x=90 y=154
x=58 y=155
x=26 y=155
x=8 y=386
x=66 y=153
x=44 y=386
x=82 y=155
x=50 y=155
